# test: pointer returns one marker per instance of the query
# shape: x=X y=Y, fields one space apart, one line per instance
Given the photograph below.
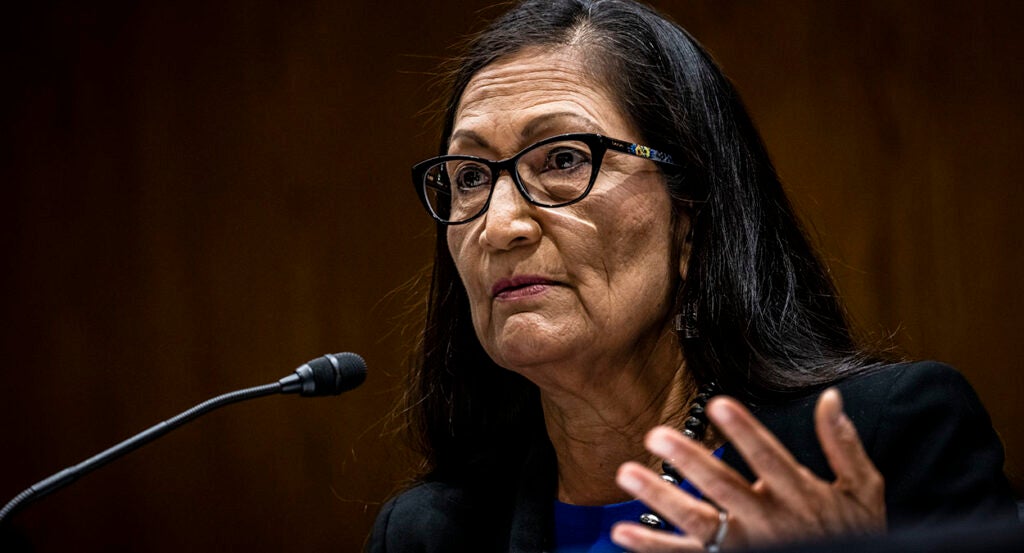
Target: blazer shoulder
x=436 y=516
x=881 y=382
x=934 y=442
x=925 y=430
x=412 y=516
x=924 y=393
x=881 y=397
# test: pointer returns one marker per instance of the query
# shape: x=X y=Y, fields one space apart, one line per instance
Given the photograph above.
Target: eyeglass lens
x=553 y=174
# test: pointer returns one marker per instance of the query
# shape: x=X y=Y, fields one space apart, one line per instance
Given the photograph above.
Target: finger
x=711 y=476
x=777 y=469
x=682 y=510
x=640 y=539
x=854 y=470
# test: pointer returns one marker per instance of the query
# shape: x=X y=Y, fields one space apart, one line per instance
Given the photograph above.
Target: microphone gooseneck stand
x=70 y=474
x=327 y=375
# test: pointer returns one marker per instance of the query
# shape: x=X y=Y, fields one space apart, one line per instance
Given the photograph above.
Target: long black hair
x=765 y=313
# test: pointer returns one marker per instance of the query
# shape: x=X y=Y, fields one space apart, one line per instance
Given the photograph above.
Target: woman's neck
x=595 y=430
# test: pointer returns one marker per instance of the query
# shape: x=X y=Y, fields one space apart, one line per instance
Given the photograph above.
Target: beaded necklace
x=694 y=427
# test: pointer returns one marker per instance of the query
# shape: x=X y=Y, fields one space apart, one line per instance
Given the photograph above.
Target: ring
x=714 y=545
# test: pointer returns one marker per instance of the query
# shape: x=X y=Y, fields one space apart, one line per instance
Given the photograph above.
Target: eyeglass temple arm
x=639 y=151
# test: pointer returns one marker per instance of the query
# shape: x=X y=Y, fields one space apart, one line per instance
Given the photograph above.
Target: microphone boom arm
x=328 y=375
x=72 y=473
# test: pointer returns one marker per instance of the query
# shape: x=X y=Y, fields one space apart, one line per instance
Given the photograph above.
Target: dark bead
x=691 y=434
x=669 y=470
x=693 y=423
x=697 y=410
x=670 y=479
x=652 y=520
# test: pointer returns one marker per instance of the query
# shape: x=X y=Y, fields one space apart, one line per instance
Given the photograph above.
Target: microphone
x=329 y=375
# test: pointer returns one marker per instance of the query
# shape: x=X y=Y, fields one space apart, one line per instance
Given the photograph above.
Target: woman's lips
x=520 y=287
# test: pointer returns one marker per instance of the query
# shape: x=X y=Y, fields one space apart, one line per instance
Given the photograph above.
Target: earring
x=686 y=322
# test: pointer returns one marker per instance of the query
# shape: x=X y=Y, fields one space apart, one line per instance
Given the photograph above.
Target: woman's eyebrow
x=533 y=128
x=468 y=134
x=538 y=124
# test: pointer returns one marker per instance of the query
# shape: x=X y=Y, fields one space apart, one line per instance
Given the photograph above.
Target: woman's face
x=587 y=285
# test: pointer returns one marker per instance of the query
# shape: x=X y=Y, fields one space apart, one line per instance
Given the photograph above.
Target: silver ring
x=714 y=545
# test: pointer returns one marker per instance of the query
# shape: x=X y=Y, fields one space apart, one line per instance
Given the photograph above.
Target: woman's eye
x=564 y=159
x=471 y=176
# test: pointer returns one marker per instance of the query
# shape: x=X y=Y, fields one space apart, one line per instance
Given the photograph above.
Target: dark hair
x=767 y=316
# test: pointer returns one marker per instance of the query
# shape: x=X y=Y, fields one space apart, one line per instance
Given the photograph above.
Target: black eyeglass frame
x=599 y=145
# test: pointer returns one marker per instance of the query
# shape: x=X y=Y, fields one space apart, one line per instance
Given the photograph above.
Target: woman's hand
x=787 y=502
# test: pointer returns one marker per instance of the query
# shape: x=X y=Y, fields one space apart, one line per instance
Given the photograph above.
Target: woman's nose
x=509 y=221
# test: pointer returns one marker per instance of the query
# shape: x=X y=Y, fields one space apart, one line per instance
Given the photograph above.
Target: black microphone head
x=332 y=374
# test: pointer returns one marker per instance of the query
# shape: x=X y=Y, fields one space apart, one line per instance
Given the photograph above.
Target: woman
x=630 y=256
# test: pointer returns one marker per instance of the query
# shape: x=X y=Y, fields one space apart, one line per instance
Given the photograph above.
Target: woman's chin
x=526 y=356
x=522 y=355
x=528 y=342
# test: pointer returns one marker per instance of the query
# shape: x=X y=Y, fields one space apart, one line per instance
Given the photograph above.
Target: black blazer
x=921 y=424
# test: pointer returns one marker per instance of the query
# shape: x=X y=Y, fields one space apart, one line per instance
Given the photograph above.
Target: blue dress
x=587 y=529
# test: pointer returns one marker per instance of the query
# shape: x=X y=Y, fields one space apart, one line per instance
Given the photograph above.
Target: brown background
x=197 y=197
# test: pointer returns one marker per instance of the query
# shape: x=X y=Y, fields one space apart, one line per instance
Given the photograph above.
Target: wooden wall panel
x=200 y=196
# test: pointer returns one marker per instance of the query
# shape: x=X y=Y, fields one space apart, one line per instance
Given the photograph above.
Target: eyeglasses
x=554 y=172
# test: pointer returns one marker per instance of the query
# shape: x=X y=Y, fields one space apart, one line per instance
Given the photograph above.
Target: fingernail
x=659 y=444
x=630 y=482
x=719 y=413
x=622 y=535
x=836 y=416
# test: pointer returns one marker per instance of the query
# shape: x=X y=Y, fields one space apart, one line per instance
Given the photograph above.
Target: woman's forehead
x=527 y=93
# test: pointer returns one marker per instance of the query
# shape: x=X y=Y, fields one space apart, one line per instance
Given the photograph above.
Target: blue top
x=587 y=529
